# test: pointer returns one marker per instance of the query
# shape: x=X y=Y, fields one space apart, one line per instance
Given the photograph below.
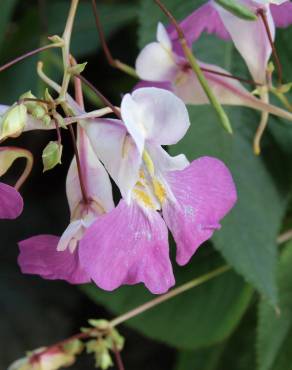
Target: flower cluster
x=127 y=243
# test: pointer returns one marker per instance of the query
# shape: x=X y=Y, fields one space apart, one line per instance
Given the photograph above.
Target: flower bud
x=13 y=121
x=52 y=155
x=77 y=69
x=101 y=353
x=42 y=359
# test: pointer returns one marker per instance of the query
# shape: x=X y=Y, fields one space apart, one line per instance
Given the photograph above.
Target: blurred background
x=193 y=331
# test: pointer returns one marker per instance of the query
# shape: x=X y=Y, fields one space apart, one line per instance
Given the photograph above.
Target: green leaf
x=274 y=339
x=7 y=7
x=204 y=315
x=203 y=359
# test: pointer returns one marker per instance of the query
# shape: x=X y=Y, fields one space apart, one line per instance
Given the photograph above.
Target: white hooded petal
x=71 y=236
x=96 y=180
x=155 y=115
x=251 y=40
x=162 y=37
x=117 y=151
x=163 y=162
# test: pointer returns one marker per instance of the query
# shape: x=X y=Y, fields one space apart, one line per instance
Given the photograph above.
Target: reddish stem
x=251 y=82
x=105 y=48
x=24 y=56
x=100 y=95
x=262 y=14
x=118 y=358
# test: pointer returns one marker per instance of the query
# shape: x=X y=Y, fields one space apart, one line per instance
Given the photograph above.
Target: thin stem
x=284 y=237
x=79 y=169
x=118 y=358
x=263 y=16
x=27 y=170
x=146 y=306
x=100 y=95
x=66 y=49
x=173 y=293
x=28 y=54
x=251 y=82
x=262 y=126
x=113 y=62
x=46 y=79
x=196 y=68
x=94 y=114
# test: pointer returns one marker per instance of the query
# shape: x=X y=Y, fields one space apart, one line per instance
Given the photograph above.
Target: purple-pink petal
x=11 y=202
x=39 y=256
x=282 y=14
x=204 y=19
x=205 y=193
x=128 y=245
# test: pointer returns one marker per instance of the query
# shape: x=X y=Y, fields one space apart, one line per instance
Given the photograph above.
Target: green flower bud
x=77 y=69
x=101 y=353
x=30 y=105
x=99 y=324
x=39 y=112
x=13 y=121
x=52 y=155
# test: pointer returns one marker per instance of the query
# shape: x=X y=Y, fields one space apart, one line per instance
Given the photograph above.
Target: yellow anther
x=159 y=190
x=148 y=163
x=144 y=197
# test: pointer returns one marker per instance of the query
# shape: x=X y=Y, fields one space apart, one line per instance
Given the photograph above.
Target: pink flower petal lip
x=204 y=19
x=204 y=193
x=282 y=14
x=128 y=245
x=11 y=202
x=39 y=256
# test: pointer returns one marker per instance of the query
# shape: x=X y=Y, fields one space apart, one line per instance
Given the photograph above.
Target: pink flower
x=129 y=245
x=11 y=202
x=57 y=258
x=249 y=37
x=162 y=64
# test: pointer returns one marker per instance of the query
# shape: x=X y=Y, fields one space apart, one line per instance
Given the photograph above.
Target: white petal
x=117 y=151
x=3 y=109
x=251 y=40
x=155 y=114
x=73 y=232
x=162 y=37
x=95 y=177
x=163 y=162
x=155 y=63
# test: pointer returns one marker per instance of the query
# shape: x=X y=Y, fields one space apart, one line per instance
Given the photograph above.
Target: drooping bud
x=55 y=39
x=13 y=121
x=52 y=155
x=45 y=359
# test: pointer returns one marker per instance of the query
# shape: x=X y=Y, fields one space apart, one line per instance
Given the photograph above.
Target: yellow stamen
x=159 y=190
x=145 y=198
x=148 y=163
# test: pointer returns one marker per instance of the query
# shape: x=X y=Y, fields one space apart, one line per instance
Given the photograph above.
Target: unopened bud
x=13 y=121
x=55 y=39
x=77 y=69
x=52 y=155
x=39 y=112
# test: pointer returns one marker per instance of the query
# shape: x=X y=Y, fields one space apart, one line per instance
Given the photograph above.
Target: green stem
x=196 y=68
x=203 y=81
x=66 y=49
x=156 y=301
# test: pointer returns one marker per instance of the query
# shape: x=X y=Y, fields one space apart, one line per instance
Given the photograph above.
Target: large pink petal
x=282 y=14
x=11 y=202
x=39 y=255
x=204 y=193
x=204 y=19
x=128 y=246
